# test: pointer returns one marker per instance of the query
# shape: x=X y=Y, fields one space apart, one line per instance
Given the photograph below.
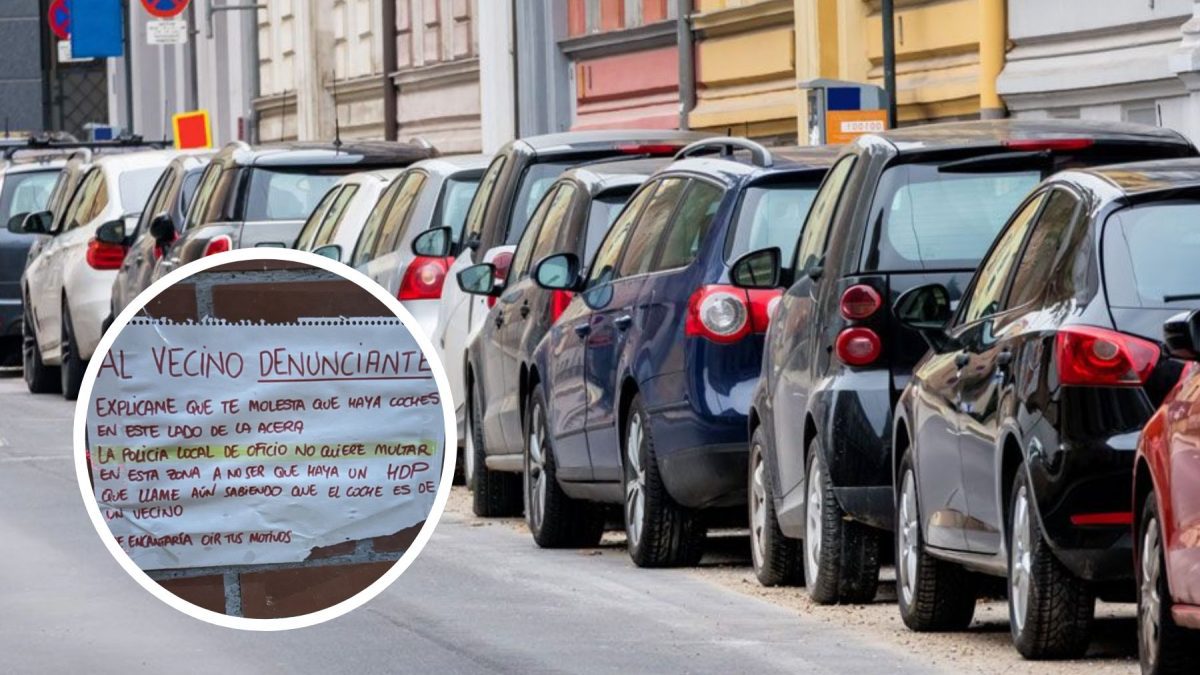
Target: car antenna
x=337 y=124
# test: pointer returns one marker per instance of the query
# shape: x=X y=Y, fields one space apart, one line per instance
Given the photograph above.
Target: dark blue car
x=642 y=387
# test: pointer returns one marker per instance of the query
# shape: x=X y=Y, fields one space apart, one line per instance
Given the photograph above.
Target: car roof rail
x=49 y=144
x=726 y=146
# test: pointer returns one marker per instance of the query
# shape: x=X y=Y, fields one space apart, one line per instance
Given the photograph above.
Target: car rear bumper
x=10 y=316
x=706 y=476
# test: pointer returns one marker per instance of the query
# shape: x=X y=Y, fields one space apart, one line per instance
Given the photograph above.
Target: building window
x=1142 y=113
x=585 y=17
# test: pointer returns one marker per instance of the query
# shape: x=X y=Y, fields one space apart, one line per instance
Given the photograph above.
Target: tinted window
x=820 y=216
x=398 y=215
x=639 y=252
x=524 y=252
x=556 y=216
x=929 y=219
x=208 y=183
x=157 y=202
x=365 y=246
x=25 y=193
x=604 y=266
x=308 y=233
x=1150 y=254
x=285 y=195
x=989 y=283
x=771 y=215
x=1043 y=247
x=454 y=203
x=135 y=186
x=333 y=219
x=690 y=224
x=483 y=195
x=190 y=181
x=537 y=179
x=86 y=199
x=603 y=211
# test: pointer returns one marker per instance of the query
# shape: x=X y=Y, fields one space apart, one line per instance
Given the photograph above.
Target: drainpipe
x=253 y=86
x=993 y=38
x=888 y=14
x=687 y=61
x=391 y=125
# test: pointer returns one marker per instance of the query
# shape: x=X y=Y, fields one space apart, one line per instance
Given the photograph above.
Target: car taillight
x=218 y=244
x=558 y=303
x=104 y=256
x=762 y=306
x=1060 y=144
x=858 y=346
x=502 y=262
x=726 y=314
x=1115 y=518
x=1090 y=356
x=424 y=278
x=860 y=302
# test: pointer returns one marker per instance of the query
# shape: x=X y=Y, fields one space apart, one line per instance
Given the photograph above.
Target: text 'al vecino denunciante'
x=278 y=364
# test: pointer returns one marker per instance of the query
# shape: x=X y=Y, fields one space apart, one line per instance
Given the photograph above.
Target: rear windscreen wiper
x=1181 y=297
x=1001 y=161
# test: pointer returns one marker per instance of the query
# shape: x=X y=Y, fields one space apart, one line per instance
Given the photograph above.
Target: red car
x=1167 y=529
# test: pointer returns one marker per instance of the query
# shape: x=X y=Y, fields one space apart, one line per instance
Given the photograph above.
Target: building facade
x=22 y=92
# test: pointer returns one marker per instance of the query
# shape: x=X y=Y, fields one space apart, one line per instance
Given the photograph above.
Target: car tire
x=841 y=556
x=72 y=368
x=1164 y=648
x=934 y=595
x=39 y=377
x=468 y=446
x=778 y=559
x=497 y=494
x=659 y=532
x=555 y=519
x=1050 y=610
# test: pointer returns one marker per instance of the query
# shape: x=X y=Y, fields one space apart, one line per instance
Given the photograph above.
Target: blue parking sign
x=97 y=28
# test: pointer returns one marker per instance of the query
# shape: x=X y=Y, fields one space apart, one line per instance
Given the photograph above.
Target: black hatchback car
x=1016 y=437
x=898 y=210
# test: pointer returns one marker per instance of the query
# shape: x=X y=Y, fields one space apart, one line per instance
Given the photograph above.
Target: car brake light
x=424 y=278
x=1061 y=144
x=762 y=306
x=1117 y=518
x=558 y=303
x=858 y=346
x=718 y=313
x=104 y=256
x=502 y=262
x=219 y=244
x=649 y=148
x=1090 y=356
x=860 y=302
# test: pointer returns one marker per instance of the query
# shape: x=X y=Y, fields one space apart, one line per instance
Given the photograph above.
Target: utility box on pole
x=840 y=111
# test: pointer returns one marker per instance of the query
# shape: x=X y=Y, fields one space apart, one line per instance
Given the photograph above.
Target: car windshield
x=1149 y=253
x=926 y=219
x=286 y=195
x=537 y=179
x=26 y=192
x=605 y=209
x=135 y=187
x=456 y=201
x=771 y=215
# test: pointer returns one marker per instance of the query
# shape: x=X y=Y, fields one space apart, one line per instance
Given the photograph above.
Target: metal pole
x=128 y=67
x=687 y=61
x=250 y=53
x=390 y=65
x=193 y=60
x=889 y=58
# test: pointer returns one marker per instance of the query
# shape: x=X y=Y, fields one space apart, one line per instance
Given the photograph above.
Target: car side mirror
x=479 y=280
x=559 y=272
x=38 y=222
x=112 y=232
x=16 y=223
x=433 y=243
x=1182 y=335
x=163 y=230
x=757 y=269
x=331 y=251
x=926 y=310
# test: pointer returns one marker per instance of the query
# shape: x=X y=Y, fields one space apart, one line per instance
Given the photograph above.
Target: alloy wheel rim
x=909 y=538
x=469 y=445
x=758 y=508
x=814 y=523
x=1021 y=574
x=1149 y=600
x=536 y=475
x=635 y=481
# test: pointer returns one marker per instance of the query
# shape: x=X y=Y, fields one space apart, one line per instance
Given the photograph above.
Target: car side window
x=554 y=222
x=208 y=183
x=689 y=225
x=158 y=196
x=1043 y=247
x=987 y=289
x=308 y=232
x=603 y=267
x=639 y=253
x=99 y=198
x=398 y=215
x=524 y=253
x=81 y=204
x=365 y=246
x=820 y=216
x=336 y=212
x=487 y=185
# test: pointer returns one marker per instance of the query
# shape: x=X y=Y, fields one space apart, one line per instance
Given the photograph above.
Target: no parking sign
x=60 y=19
x=165 y=9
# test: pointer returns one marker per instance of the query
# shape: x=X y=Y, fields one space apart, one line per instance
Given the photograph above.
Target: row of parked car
x=938 y=346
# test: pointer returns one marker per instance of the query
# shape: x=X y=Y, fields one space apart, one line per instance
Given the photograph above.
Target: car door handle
x=1003 y=359
x=623 y=322
x=582 y=329
x=524 y=309
x=962 y=360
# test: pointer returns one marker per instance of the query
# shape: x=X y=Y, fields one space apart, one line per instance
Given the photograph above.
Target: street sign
x=166 y=32
x=98 y=28
x=60 y=19
x=192 y=130
x=64 y=53
x=165 y=9
x=843 y=126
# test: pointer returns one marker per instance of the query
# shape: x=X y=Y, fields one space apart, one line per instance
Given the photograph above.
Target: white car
x=334 y=225
x=67 y=285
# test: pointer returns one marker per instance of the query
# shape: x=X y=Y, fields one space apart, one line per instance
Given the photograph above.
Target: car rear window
x=771 y=215
x=1150 y=252
x=286 y=195
x=536 y=180
x=25 y=193
x=926 y=219
x=604 y=210
x=135 y=187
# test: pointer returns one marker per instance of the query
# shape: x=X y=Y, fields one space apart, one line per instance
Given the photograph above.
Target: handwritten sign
x=241 y=444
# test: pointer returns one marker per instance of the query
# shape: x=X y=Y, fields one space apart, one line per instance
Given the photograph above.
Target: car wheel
x=778 y=560
x=555 y=520
x=658 y=531
x=1164 y=647
x=468 y=447
x=496 y=493
x=1050 y=610
x=841 y=557
x=934 y=595
x=72 y=368
x=39 y=377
